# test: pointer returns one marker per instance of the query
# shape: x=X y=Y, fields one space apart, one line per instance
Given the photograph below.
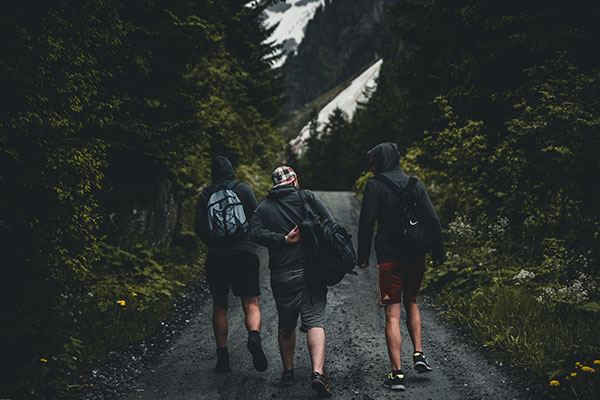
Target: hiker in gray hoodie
x=275 y=225
x=400 y=267
x=231 y=263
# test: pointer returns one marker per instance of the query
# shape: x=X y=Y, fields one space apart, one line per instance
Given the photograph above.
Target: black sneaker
x=258 y=356
x=222 y=360
x=320 y=386
x=420 y=362
x=287 y=378
x=395 y=381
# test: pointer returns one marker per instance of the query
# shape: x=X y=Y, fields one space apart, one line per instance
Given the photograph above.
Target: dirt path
x=356 y=361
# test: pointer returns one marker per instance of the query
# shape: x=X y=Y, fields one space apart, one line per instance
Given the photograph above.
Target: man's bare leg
x=286 y=348
x=413 y=322
x=219 y=320
x=392 y=334
x=316 y=348
x=252 y=313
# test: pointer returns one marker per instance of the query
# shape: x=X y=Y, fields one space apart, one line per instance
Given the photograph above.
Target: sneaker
x=222 y=360
x=420 y=362
x=258 y=356
x=395 y=381
x=320 y=386
x=287 y=378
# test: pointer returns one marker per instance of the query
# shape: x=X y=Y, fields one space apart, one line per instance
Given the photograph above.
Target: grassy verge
x=120 y=302
x=549 y=330
x=555 y=346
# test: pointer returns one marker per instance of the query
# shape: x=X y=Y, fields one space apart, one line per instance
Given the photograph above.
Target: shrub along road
x=356 y=360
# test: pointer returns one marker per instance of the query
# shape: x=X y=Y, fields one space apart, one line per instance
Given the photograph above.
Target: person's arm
x=201 y=227
x=435 y=228
x=366 y=222
x=263 y=236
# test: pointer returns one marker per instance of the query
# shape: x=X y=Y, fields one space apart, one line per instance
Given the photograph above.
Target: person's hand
x=364 y=265
x=293 y=236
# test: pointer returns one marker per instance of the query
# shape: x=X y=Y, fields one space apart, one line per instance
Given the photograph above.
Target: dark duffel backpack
x=407 y=219
x=328 y=250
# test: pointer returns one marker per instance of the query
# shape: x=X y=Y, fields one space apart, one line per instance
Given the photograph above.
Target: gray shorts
x=294 y=297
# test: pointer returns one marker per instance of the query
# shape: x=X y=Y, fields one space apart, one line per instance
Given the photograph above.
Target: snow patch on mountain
x=359 y=91
x=292 y=17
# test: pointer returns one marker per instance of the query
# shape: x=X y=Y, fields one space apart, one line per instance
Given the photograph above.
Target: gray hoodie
x=379 y=200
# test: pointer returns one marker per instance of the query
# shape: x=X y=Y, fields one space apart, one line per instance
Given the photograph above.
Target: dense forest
x=111 y=113
x=496 y=105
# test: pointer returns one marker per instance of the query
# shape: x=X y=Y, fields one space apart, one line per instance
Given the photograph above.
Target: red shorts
x=394 y=277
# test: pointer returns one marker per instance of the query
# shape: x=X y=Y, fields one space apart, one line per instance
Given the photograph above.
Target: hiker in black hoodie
x=400 y=269
x=232 y=263
x=275 y=225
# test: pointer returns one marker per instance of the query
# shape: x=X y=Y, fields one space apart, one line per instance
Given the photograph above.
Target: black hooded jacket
x=379 y=200
x=222 y=173
x=275 y=217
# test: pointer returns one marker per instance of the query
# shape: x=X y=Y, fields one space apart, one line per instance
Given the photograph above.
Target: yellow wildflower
x=43 y=360
x=121 y=302
x=134 y=294
x=554 y=382
x=596 y=362
x=577 y=364
x=573 y=374
x=588 y=369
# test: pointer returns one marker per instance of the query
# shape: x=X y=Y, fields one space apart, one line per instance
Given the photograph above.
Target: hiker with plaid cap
x=275 y=226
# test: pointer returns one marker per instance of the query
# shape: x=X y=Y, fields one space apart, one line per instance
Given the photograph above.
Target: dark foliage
x=94 y=92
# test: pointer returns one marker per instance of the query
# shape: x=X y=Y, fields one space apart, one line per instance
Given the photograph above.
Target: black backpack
x=328 y=250
x=226 y=217
x=407 y=219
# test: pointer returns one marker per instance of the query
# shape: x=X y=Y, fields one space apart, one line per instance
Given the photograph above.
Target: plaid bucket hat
x=282 y=176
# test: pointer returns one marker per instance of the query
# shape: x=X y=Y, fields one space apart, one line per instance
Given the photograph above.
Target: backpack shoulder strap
x=211 y=190
x=410 y=186
x=306 y=203
x=388 y=182
x=412 y=182
x=231 y=185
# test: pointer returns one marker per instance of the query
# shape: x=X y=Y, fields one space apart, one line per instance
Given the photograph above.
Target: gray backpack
x=226 y=217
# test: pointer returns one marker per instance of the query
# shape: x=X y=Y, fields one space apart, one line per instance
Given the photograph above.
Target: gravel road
x=356 y=360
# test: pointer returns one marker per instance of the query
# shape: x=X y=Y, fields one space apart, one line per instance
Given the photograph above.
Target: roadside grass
x=532 y=315
x=548 y=343
x=121 y=301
